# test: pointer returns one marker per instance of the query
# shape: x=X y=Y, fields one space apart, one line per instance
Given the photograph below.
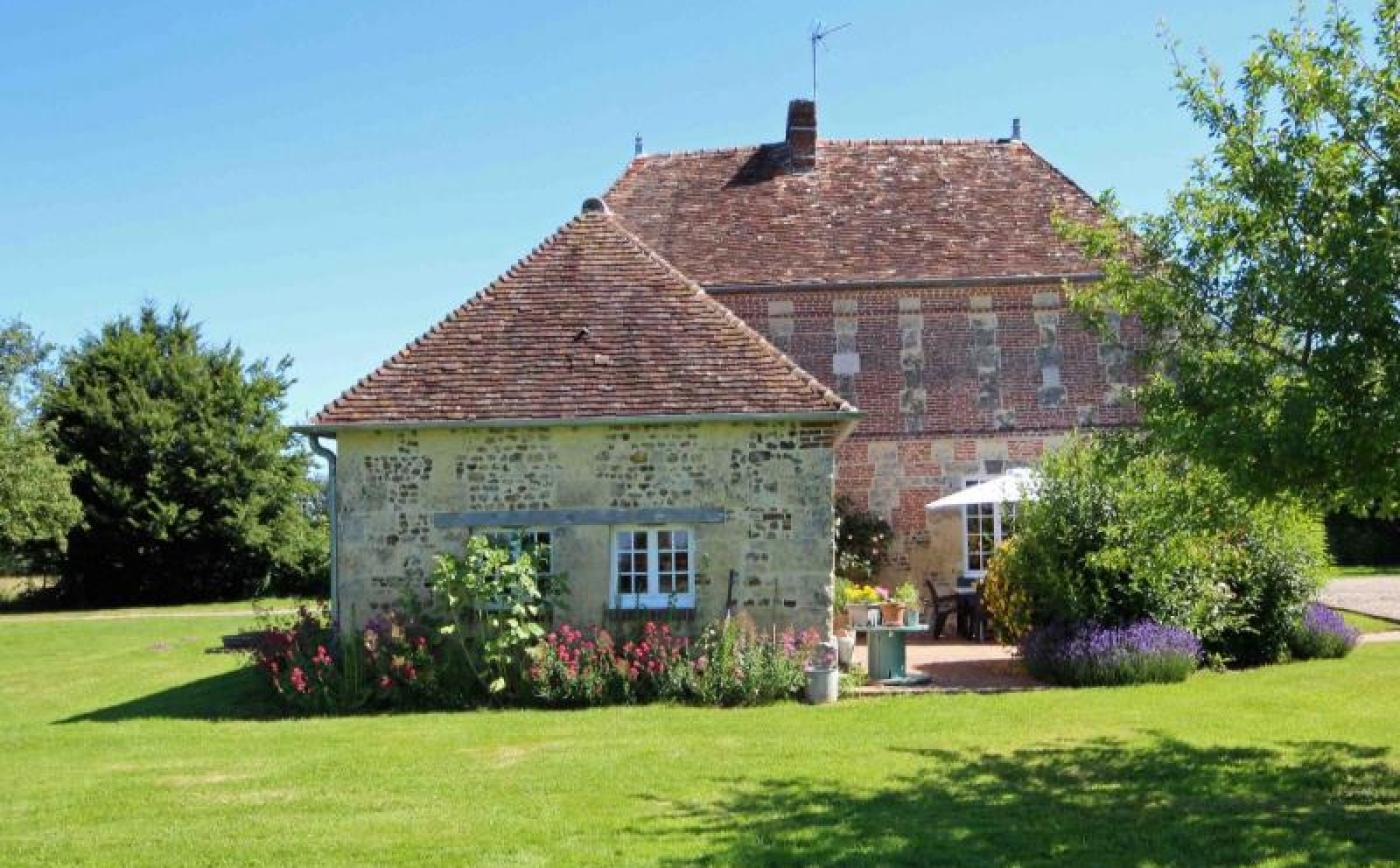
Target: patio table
x=886 y=653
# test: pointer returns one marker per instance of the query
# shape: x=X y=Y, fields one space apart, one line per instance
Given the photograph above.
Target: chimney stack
x=1015 y=129
x=802 y=134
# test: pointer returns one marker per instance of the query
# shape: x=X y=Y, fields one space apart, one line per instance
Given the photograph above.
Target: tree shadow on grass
x=1164 y=802
x=236 y=695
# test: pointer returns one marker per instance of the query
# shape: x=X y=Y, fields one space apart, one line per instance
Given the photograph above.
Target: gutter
x=329 y=455
x=311 y=430
x=909 y=283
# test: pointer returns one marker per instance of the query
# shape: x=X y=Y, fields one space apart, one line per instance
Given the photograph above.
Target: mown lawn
x=124 y=742
x=1369 y=623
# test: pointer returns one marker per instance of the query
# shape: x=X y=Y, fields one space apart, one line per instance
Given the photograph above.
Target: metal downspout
x=320 y=449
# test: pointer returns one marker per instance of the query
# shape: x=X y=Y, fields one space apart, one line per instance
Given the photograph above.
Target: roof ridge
x=921 y=140
x=843 y=142
x=754 y=336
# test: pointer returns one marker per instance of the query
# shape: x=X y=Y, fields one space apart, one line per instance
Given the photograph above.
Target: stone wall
x=773 y=482
x=955 y=382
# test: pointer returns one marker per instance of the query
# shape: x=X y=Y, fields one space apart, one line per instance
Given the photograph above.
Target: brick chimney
x=802 y=134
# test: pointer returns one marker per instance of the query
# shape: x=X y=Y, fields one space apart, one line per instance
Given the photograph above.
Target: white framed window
x=985 y=525
x=653 y=568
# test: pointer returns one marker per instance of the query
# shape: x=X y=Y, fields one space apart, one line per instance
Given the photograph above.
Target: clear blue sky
x=326 y=179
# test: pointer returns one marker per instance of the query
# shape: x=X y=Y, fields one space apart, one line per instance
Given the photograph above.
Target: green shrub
x=1091 y=656
x=302 y=661
x=492 y=603
x=734 y=665
x=1008 y=604
x=1120 y=535
x=1321 y=634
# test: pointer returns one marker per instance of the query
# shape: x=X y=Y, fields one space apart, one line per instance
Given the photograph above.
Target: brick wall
x=954 y=382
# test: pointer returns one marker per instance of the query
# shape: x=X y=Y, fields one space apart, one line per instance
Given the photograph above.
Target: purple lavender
x=1322 y=633
x=1094 y=655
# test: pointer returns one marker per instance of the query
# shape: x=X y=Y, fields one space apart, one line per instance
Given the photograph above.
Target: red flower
x=386 y=682
x=299 y=680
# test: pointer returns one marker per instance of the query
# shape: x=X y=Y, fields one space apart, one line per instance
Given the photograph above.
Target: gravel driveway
x=1374 y=595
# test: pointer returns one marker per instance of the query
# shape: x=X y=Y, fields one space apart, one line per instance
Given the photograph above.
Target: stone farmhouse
x=666 y=390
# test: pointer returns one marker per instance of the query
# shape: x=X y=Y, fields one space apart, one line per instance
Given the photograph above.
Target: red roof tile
x=871 y=210
x=591 y=324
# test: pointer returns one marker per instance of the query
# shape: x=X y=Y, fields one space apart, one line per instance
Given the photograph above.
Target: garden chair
x=939 y=608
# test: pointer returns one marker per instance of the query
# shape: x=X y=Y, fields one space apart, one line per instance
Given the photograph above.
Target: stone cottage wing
x=862 y=211
x=590 y=325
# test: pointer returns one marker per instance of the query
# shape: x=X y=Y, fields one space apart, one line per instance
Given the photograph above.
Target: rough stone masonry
x=762 y=489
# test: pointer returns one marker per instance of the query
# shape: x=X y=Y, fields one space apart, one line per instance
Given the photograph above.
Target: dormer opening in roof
x=801 y=135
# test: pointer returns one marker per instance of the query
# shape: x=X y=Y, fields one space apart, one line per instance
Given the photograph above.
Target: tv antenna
x=818 y=35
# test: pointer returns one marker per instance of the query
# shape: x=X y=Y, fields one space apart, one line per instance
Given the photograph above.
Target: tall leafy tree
x=1270 y=287
x=191 y=487
x=36 y=507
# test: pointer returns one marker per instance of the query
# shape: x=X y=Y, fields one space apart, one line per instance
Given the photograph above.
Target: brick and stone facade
x=955 y=383
x=402 y=494
x=921 y=279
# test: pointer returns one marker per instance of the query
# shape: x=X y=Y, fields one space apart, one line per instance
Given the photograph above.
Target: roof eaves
x=312 y=427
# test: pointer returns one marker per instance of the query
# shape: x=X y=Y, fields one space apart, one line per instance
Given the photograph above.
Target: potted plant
x=823 y=676
x=859 y=600
x=908 y=595
x=891 y=609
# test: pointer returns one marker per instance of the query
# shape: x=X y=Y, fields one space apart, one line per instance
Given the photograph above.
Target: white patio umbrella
x=1014 y=485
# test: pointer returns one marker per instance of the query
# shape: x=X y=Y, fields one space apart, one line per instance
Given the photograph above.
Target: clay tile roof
x=871 y=210
x=592 y=324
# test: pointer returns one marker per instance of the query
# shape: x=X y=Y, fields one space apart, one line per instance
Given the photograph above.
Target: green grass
x=123 y=741
x=1362 y=571
x=1368 y=623
x=236 y=607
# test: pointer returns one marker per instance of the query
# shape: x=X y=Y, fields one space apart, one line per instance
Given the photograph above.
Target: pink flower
x=298 y=678
x=386 y=682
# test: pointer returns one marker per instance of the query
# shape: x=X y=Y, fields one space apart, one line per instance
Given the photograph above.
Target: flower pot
x=845 y=649
x=859 y=613
x=892 y=614
x=911 y=617
x=823 y=685
x=840 y=621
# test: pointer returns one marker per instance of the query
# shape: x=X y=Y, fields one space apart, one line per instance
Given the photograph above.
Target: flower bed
x=1322 y=633
x=480 y=639
x=401 y=661
x=1091 y=655
x=575 y=667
